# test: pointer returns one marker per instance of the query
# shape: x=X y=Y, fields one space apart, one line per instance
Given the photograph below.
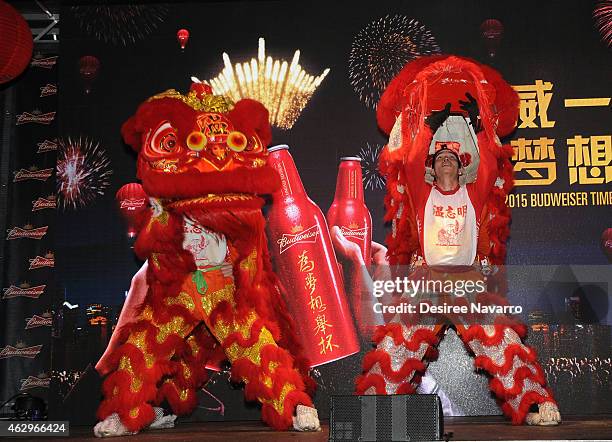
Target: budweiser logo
x=132 y=204
x=308 y=236
x=46 y=146
x=39 y=321
x=48 y=89
x=20 y=351
x=44 y=203
x=39 y=118
x=42 y=261
x=27 y=232
x=353 y=233
x=46 y=63
x=42 y=381
x=32 y=174
x=27 y=292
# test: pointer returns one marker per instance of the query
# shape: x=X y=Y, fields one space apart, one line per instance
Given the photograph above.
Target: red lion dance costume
x=211 y=290
x=421 y=88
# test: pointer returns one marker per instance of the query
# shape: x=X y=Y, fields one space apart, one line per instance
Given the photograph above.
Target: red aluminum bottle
x=306 y=265
x=348 y=210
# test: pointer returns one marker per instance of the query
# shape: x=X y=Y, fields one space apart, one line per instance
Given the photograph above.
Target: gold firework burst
x=284 y=88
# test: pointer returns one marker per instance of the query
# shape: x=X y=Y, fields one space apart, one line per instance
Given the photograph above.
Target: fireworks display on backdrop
x=381 y=49
x=119 y=24
x=372 y=179
x=83 y=172
x=603 y=20
x=284 y=89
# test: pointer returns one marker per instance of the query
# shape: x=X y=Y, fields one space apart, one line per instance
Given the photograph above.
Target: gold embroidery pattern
x=134 y=412
x=208 y=103
x=183 y=298
x=210 y=301
x=138 y=339
x=175 y=325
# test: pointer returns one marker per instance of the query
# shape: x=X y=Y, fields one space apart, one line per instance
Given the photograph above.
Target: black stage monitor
x=401 y=417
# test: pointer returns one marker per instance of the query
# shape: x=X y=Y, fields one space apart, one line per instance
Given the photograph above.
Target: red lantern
x=606 y=242
x=183 y=37
x=492 y=31
x=88 y=69
x=16 y=43
x=132 y=201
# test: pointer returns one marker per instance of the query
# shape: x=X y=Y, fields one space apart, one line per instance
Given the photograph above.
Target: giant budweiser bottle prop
x=348 y=211
x=306 y=265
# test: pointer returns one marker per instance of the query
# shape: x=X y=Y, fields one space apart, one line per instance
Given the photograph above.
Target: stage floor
x=588 y=428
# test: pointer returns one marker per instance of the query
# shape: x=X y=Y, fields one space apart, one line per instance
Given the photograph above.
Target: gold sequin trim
x=208 y=103
x=162 y=219
x=279 y=404
x=186 y=370
x=183 y=394
x=138 y=339
x=222 y=329
x=212 y=198
x=248 y=264
x=134 y=412
x=253 y=353
x=147 y=313
x=155 y=258
x=126 y=364
x=175 y=325
x=195 y=348
x=210 y=301
x=183 y=299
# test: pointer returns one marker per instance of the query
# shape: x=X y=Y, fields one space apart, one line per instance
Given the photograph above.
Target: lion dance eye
x=196 y=141
x=236 y=141
x=162 y=142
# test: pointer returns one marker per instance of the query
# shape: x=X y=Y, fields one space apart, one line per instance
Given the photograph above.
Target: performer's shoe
x=548 y=414
x=306 y=419
x=112 y=426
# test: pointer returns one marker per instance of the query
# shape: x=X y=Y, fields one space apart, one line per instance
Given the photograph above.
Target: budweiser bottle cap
x=278 y=147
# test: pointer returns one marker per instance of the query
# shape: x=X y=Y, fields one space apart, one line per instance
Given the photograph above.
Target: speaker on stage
x=401 y=417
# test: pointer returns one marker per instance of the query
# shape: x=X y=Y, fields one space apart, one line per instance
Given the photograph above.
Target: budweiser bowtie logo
x=42 y=381
x=46 y=63
x=23 y=290
x=353 y=233
x=288 y=240
x=35 y=117
x=47 y=146
x=44 y=203
x=39 y=321
x=33 y=173
x=132 y=204
x=27 y=232
x=48 y=89
x=20 y=351
x=42 y=261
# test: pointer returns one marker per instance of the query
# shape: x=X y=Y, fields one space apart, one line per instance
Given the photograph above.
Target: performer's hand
x=379 y=254
x=471 y=107
x=346 y=249
x=436 y=118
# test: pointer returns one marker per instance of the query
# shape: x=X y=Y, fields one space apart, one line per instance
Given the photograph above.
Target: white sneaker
x=306 y=419
x=548 y=414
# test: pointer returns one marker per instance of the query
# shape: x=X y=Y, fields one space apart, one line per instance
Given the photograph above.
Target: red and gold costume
x=211 y=290
x=397 y=364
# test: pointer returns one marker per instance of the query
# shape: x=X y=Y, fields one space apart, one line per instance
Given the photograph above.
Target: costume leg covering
x=517 y=379
x=397 y=363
